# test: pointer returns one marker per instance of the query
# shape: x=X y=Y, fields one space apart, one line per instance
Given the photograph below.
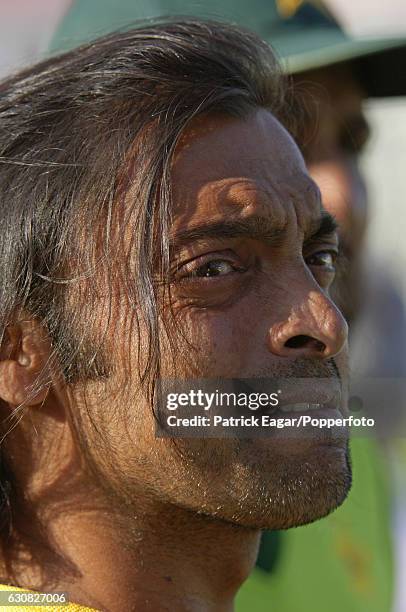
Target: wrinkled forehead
x=226 y=165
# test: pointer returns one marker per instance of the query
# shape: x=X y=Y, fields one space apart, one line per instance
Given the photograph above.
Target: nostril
x=302 y=341
x=297 y=341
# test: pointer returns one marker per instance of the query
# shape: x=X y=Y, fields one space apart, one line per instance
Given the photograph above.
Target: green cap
x=304 y=34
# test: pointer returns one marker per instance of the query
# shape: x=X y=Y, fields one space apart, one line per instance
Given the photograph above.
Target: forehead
x=229 y=166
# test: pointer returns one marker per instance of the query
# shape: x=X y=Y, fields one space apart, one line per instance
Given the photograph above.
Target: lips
x=303 y=395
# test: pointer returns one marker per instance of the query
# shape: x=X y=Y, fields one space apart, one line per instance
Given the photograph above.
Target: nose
x=314 y=328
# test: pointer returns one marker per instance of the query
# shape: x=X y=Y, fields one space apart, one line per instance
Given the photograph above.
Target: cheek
x=216 y=342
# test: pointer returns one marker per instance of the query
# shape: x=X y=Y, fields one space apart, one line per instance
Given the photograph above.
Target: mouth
x=318 y=398
x=315 y=411
x=308 y=423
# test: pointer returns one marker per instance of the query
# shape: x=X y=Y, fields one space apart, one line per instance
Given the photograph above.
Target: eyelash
x=193 y=274
x=334 y=255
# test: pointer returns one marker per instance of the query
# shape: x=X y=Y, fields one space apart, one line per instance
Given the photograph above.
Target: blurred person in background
x=345 y=561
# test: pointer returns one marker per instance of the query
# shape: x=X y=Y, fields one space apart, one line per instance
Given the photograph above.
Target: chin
x=261 y=483
x=294 y=490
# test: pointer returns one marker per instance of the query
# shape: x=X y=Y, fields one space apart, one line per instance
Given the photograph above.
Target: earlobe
x=24 y=352
x=16 y=385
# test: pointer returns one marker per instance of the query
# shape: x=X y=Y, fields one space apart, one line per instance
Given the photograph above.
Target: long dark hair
x=87 y=132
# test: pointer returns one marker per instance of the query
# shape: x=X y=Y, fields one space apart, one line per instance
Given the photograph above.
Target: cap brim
x=380 y=64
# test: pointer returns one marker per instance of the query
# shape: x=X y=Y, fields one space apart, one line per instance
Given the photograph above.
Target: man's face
x=247 y=300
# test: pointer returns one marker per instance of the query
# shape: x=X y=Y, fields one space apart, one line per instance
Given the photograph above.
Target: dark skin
x=144 y=526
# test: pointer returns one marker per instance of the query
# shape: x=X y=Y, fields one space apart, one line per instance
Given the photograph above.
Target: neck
x=160 y=558
x=74 y=537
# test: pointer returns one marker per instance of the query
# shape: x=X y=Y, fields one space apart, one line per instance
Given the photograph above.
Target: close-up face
x=252 y=260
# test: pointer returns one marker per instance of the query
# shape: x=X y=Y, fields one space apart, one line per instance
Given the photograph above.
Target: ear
x=23 y=354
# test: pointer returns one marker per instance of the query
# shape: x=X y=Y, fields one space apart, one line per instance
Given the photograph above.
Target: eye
x=325 y=259
x=216 y=267
x=221 y=265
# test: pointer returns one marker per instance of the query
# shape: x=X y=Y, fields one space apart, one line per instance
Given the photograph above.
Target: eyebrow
x=324 y=226
x=255 y=227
